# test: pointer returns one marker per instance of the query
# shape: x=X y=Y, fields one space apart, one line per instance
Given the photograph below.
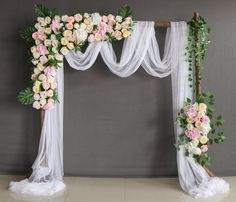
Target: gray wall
x=115 y=126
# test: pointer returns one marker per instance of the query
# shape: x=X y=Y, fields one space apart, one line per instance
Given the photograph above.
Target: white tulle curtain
x=141 y=49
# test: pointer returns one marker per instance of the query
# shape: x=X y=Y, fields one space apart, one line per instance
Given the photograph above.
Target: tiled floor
x=117 y=190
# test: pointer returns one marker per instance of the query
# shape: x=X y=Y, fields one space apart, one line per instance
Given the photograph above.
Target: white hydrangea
x=96 y=18
x=81 y=34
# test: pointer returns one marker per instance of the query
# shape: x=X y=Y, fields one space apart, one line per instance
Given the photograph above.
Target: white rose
x=36 y=55
x=48 y=20
x=54 y=50
x=50 y=79
x=37 y=26
x=96 y=18
x=197 y=151
x=36 y=71
x=47 y=42
x=195 y=142
x=86 y=15
x=43 y=24
x=64 y=18
x=76 y=25
x=40 y=19
x=205 y=129
x=64 y=50
x=35 y=62
x=37 y=42
x=189 y=126
x=57 y=18
x=53 y=37
x=43 y=101
x=118 y=18
x=82 y=26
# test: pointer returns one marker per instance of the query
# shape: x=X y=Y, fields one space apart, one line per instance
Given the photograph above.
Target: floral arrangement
x=199 y=129
x=53 y=36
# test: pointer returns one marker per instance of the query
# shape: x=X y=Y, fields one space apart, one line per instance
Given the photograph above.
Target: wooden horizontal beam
x=162 y=24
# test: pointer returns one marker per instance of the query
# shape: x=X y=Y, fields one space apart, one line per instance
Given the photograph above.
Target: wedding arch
x=140 y=48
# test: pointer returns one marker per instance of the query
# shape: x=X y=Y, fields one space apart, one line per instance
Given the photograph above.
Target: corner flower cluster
x=196 y=125
x=55 y=37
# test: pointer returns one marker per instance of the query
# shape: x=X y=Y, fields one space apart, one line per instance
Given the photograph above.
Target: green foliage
x=125 y=11
x=42 y=11
x=26 y=96
x=182 y=139
x=26 y=33
x=197 y=45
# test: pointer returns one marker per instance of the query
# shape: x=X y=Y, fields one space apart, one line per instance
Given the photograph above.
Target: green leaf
x=125 y=11
x=26 y=96
x=41 y=11
x=26 y=33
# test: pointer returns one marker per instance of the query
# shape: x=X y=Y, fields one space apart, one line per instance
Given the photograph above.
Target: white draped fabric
x=141 y=49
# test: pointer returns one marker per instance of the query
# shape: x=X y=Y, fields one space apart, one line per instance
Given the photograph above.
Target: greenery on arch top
x=54 y=35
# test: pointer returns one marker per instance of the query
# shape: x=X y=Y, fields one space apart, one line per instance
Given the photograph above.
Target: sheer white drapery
x=141 y=49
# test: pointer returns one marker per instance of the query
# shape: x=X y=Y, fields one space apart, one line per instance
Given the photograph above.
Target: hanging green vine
x=197 y=45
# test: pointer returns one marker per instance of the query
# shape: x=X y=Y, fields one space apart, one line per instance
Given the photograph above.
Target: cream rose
x=203 y=139
x=197 y=151
x=118 y=18
x=202 y=107
x=67 y=33
x=198 y=124
x=70 y=46
x=126 y=33
x=64 y=18
x=50 y=79
x=36 y=55
x=40 y=66
x=50 y=93
x=64 y=41
x=48 y=30
x=36 y=89
x=43 y=101
x=47 y=42
x=48 y=20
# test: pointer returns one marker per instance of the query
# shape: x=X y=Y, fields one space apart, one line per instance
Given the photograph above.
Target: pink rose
x=97 y=37
x=42 y=49
x=118 y=35
x=78 y=18
x=192 y=134
x=48 y=106
x=70 y=19
x=50 y=71
x=205 y=120
x=102 y=28
x=111 y=17
x=59 y=57
x=69 y=26
x=42 y=77
x=204 y=148
x=36 y=96
x=53 y=85
x=55 y=26
x=196 y=117
x=128 y=20
x=43 y=94
x=42 y=36
x=105 y=18
x=46 y=85
x=35 y=35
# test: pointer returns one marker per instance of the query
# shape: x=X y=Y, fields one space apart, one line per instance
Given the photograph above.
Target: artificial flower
x=203 y=139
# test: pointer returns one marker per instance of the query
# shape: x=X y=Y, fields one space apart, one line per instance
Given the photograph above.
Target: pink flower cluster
x=55 y=37
x=197 y=127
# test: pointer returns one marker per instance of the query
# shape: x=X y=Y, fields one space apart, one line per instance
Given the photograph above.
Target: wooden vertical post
x=42 y=114
x=198 y=81
x=197 y=64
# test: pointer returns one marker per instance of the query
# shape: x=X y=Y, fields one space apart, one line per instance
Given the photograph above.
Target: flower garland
x=54 y=36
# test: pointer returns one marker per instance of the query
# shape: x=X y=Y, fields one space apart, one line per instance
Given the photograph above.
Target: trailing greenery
x=42 y=11
x=197 y=45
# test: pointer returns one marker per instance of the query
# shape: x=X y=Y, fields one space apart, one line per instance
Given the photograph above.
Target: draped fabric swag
x=141 y=49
